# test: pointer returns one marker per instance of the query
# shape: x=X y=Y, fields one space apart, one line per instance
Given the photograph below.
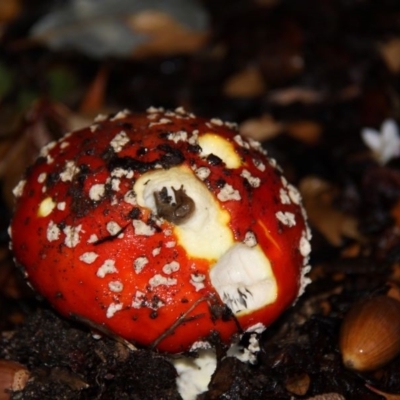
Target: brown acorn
x=370 y=334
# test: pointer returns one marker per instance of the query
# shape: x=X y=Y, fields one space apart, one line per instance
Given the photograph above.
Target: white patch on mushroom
x=113 y=228
x=284 y=181
x=285 y=198
x=93 y=128
x=253 y=181
x=61 y=206
x=130 y=198
x=217 y=121
x=304 y=279
x=194 y=374
x=70 y=170
x=42 y=177
x=108 y=267
x=200 y=345
x=241 y=142
x=171 y=267
x=19 y=189
x=205 y=233
x=158 y=280
x=140 y=263
x=180 y=110
x=231 y=125
x=46 y=207
x=194 y=137
x=212 y=143
x=89 y=257
x=287 y=218
x=72 y=235
x=162 y=121
x=294 y=194
x=121 y=172
x=138 y=299
x=113 y=308
x=93 y=238
x=152 y=110
x=100 y=118
x=155 y=252
x=197 y=280
x=64 y=145
x=228 y=193
x=246 y=354
x=44 y=189
x=304 y=246
x=202 y=173
x=179 y=136
x=44 y=152
x=97 y=191
x=115 y=182
x=142 y=229
x=53 y=232
x=115 y=286
x=119 y=141
x=170 y=244
x=250 y=239
x=259 y=164
x=120 y=115
x=257 y=328
x=243 y=279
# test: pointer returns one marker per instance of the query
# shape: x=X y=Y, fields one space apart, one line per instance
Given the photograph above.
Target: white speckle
x=294 y=194
x=180 y=110
x=70 y=170
x=72 y=235
x=119 y=141
x=18 y=190
x=141 y=228
x=240 y=141
x=115 y=286
x=250 y=239
x=171 y=267
x=253 y=181
x=305 y=246
x=53 y=232
x=228 y=193
x=120 y=115
x=44 y=189
x=108 y=267
x=200 y=345
x=197 y=280
x=162 y=121
x=284 y=181
x=256 y=145
x=139 y=264
x=64 y=145
x=100 y=118
x=113 y=228
x=93 y=238
x=231 y=125
x=155 y=252
x=287 y=218
x=115 y=184
x=180 y=136
x=121 y=172
x=203 y=173
x=304 y=280
x=217 y=121
x=193 y=140
x=42 y=177
x=285 y=198
x=88 y=257
x=130 y=198
x=61 y=206
x=139 y=299
x=152 y=110
x=259 y=164
x=93 y=128
x=46 y=149
x=158 y=280
x=257 y=328
x=96 y=192
x=46 y=207
x=113 y=308
x=169 y=245
x=246 y=354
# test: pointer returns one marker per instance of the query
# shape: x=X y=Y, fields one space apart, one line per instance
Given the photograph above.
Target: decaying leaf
x=246 y=83
x=298 y=384
x=390 y=52
x=318 y=196
x=387 y=396
x=262 y=128
x=327 y=396
x=306 y=131
x=121 y=28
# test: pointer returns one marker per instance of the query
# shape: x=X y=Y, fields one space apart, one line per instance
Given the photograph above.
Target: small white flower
x=385 y=144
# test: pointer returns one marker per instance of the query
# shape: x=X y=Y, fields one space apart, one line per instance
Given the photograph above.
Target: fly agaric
x=163 y=228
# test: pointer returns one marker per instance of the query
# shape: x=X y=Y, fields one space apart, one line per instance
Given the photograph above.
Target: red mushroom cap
x=163 y=228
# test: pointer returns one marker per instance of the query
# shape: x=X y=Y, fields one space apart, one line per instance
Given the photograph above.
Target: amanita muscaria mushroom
x=163 y=228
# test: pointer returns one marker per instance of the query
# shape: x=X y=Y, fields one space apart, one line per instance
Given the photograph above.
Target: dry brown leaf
x=327 y=396
x=246 y=83
x=262 y=128
x=318 y=196
x=298 y=384
x=390 y=52
x=9 y=9
x=166 y=35
x=306 y=131
x=291 y=95
x=94 y=99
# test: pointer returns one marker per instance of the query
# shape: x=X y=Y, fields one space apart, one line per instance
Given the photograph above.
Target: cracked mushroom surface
x=162 y=228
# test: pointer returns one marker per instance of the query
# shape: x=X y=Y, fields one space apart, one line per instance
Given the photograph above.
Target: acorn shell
x=370 y=334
